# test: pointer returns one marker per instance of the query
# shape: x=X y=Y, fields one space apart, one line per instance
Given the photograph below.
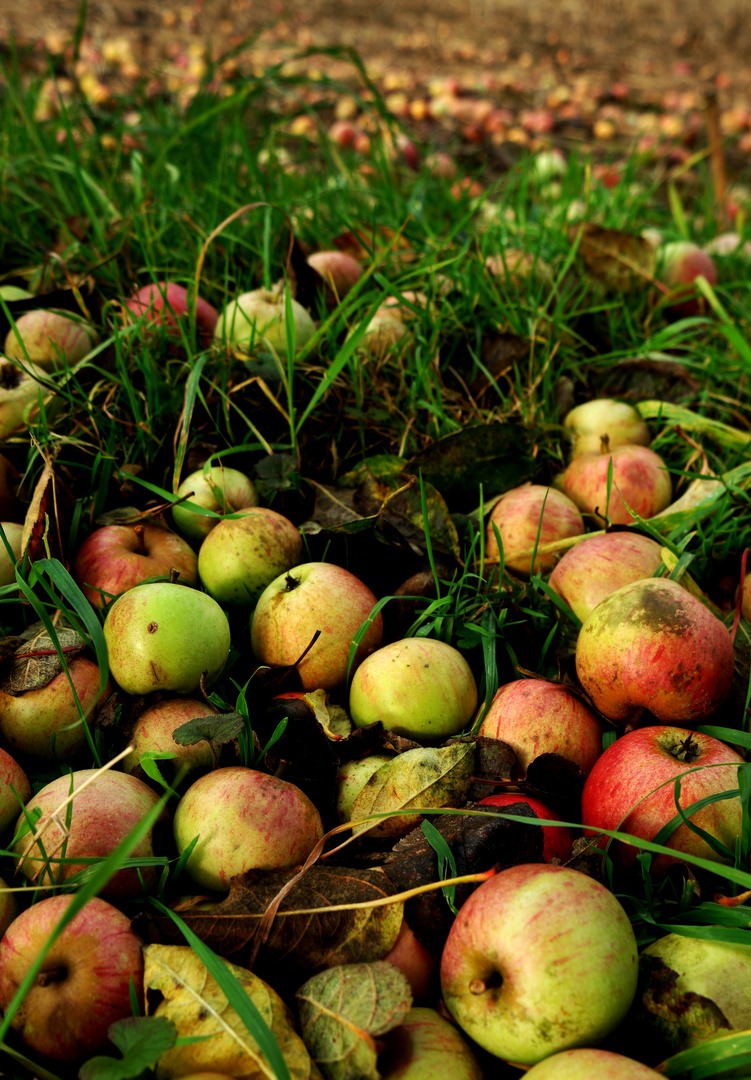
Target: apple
x=640 y=478
x=426 y=1046
x=340 y=271
x=540 y=958
x=50 y=339
x=352 y=778
x=153 y=734
x=164 y=303
x=8 y=907
x=257 y=320
x=45 y=723
x=594 y=568
x=557 y=842
x=14 y=534
x=519 y=269
x=549 y=165
x=385 y=335
x=679 y=264
x=84 y=984
x=603 y=418
x=587 y=1064
x=164 y=636
x=653 y=646
x=315 y=597
x=22 y=387
x=15 y=790
x=517 y=515
x=104 y=809
x=242 y=556
x=420 y=688
x=116 y=557
x=630 y=789
x=244 y=820
x=418 y=964
x=223 y=490
x=537 y=717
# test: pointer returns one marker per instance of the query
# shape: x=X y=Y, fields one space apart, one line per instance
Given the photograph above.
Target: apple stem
x=604 y=444
x=477 y=986
x=139 y=531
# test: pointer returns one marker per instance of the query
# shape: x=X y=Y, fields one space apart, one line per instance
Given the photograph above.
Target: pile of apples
x=541 y=963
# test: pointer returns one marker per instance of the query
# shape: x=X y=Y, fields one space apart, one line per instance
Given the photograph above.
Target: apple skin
x=639 y=477
x=623 y=792
x=8 y=907
x=116 y=557
x=102 y=815
x=652 y=645
x=517 y=514
x=587 y=1064
x=153 y=733
x=557 y=841
x=309 y=597
x=420 y=688
x=162 y=636
x=426 y=1046
x=340 y=271
x=12 y=778
x=29 y=721
x=680 y=263
x=594 y=568
x=537 y=717
x=14 y=534
x=600 y=418
x=48 y=334
x=222 y=490
x=164 y=303
x=418 y=964
x=257 y=320
x=540 y=958
x=89 y=968
x=245 y=820
x=20 y=391
x=242 y=556
x=352 y=778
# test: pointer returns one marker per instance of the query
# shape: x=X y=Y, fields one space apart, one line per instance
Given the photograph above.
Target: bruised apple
x=594 y=568
x=523 y=513
x=640 y=479
x=652 y=646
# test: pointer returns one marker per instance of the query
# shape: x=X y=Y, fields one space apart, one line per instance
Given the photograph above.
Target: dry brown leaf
x=37 y=662
x=622 y=261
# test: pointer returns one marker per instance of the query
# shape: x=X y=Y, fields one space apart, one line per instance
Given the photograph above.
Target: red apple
x=640 y=478
x=680 y=263
x=116 y=557
x=517 y=516
x=153 y=734
x=418 y=964
x=588 y=1064
x=45 y=723
x=426 y=1046
x=313 y=597
x=420 y=688
x=50 y=339
x=601 y=418
x=244 y=820
x=540 y=958
x=653 y=646
x=220 y=489
x=105 y=808
x=339 y=270
x=630 y=789
x=537 y=717
x=165 y=303
x=594 y=568
x=557 y=840
x=8 y=907
x=15 y=790
x=85 y=981
x=242 y=555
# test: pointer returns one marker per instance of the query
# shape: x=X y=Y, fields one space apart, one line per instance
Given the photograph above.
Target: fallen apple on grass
x=223 y=490
x=523 y=513
x=257 y=320
x=340 y=271
x=88 y=980
x=8 y=907
x=604 y=418
x=591 y=1064
x=242 y=556
x=540 y=958
x=23 y=386
x=352 y=778
x=14 y=535
x=640 y=480
x=599 y=565
x=165 y=303
x=50 y=339
x=680 y=263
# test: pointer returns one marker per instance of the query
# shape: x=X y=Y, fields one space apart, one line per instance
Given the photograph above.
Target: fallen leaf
x=141 y=1040
x=36 y=662
x=622 y=261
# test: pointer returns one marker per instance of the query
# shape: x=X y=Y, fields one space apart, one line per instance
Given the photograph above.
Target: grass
x=98 y=202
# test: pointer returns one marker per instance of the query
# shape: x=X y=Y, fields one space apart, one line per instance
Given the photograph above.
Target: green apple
x=426 y=1046
x=8 y=907
x=50 y=338
x=20 y=392
x=352 y=778
x=588 y=424
x=257 y=320
x=241 y=556
x=222 y=490
x=588 y=1064
x=15 y=790
x=420 y=688
x=164 y=636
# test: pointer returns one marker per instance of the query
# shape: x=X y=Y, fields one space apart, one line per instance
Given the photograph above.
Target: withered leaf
x=298 y=945
x=478 y=842
x=494 y=761
x=623 y=261
x=333 y=719
x=216 y=728
x=425 y=777
x=37 y=662
x=39 y=537
x=555 y=774
x=500 y=352
x=304 y=754
x=197 y=1007
x=643 y=378
x=342 y=1009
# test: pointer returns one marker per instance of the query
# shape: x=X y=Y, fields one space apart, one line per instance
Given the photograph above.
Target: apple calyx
x=55 y=975
x=685 y=750
x=291 y=583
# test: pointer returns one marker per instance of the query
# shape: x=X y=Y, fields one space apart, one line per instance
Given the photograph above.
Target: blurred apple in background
x=540 y=958
x=153 y=734
x=598 y=566
x=420 y=688
x=653 y=646
x=50 y=339
x=219 y=489
x=116 y=557
x=315 y=596
x=86 y=980
x=242 y=556
x=679 y=265
x=517 y=516
x=256 y=320
x=591 y=1064
x=557 y=840
x=630 y=789
x=15 y=790
x=537 y=717
x=340 y=271
x=603 y=418
x=244 y=820
x=166 y=303
x=640 y=478
x=22 y=386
